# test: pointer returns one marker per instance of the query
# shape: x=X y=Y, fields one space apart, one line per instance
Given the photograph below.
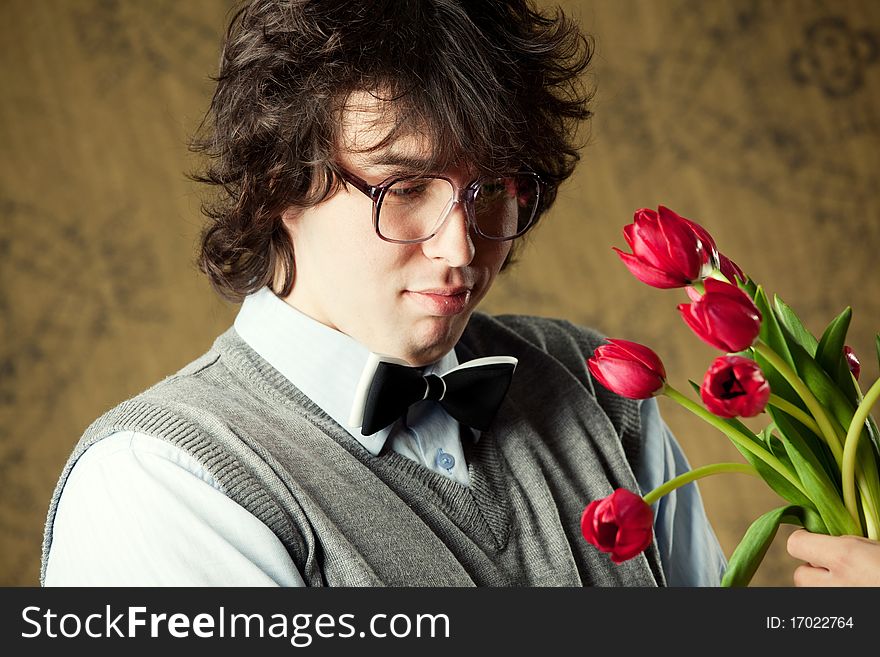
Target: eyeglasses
x=412 y=209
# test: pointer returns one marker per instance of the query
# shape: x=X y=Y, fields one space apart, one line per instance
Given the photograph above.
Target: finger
x=807 y=575
x=817 y=549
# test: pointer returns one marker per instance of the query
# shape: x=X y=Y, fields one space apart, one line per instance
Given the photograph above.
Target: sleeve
x=689 y=550
x=138 y=511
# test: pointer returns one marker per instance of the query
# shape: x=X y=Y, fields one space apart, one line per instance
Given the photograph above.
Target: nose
x=452 y=242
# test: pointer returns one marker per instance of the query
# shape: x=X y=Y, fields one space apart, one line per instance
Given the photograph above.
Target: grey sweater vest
x=348 y=518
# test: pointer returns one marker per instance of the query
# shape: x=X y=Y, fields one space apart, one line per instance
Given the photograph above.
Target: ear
x=289 y=217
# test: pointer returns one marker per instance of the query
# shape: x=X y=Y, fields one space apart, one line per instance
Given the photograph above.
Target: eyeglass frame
x=376 y=193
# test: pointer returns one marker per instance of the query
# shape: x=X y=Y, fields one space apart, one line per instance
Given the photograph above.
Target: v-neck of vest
x=481 y=510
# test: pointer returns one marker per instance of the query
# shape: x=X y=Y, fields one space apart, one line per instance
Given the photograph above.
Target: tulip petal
x=626 y=378
x=730 y=270
x=730 y=291
x=668 y=245
x=731 y=324
x=649 y=245
x=724 y=317
x=693 y=293
x=711 y=249
x=640 y=352
x=684 y=249
x=735 y=386
x=648 y=274
x=852 y=361
x=628 y=234
x=621 y=524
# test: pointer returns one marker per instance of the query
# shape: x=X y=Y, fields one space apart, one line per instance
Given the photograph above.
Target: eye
x=409 y=189
x=493 y=189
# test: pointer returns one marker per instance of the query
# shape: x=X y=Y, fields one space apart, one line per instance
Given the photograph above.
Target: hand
x=835 y=560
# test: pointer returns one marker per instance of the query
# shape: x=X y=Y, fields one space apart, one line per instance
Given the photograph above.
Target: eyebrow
x=401 y=162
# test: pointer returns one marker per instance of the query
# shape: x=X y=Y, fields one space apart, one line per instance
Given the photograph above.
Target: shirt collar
x=325 y=364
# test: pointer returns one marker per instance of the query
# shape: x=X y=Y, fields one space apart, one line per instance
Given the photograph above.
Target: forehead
x=376 y=130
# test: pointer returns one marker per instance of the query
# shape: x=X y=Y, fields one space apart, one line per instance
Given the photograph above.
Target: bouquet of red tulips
x=819 y=450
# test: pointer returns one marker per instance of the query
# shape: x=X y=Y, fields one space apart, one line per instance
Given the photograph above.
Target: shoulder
x=541 y=341
x=546 y=343
x=201 y=390
x=124 y=452
x=548 y=334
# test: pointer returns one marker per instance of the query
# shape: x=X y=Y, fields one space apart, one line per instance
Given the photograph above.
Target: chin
x=434 y=338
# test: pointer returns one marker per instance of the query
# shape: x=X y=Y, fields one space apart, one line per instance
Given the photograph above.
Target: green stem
x=827 y=430
x=741 y=439
x=697 y=473
x=850 y=444
x=797 y=413
x=855 y=381
x=871 y=522
x=830 y=431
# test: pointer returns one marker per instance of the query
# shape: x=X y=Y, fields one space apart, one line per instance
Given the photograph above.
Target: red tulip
x=622 y=524
x=628 y=368
x=724 y=317
x=735 y=387
x=852 y=361
x=667 y=250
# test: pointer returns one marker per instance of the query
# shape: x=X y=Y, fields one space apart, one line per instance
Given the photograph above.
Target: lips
x=441 y=301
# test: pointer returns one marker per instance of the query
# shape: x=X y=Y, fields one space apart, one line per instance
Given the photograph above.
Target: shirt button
x=445 y=460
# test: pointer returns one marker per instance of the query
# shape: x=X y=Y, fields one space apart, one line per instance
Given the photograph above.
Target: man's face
x=411 y=301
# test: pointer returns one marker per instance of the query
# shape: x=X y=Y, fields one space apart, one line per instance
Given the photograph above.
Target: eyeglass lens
x=414 y=209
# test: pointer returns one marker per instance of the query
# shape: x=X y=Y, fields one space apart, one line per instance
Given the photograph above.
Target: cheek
x=364 y=269
x=493 y=254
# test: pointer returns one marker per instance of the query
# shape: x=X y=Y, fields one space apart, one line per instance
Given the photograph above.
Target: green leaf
x=823 y=491
x=829 y=355
x=823 y=387
x=830 y=349
x=771 y=333
x=845 y=381
x=877 y=345
x=766 y=435
x=779 y=484
x=747 y=556
x=867 y=459
x=776 y=448
x=874 y=433
x=790 y=321
x=749 y=287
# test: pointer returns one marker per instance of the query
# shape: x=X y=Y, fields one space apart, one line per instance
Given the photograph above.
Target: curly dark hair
x=495 y=83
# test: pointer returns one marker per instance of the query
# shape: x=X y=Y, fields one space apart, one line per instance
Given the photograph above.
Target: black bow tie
x=471 y=393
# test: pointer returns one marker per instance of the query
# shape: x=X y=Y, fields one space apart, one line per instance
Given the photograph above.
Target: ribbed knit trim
x=234 y=481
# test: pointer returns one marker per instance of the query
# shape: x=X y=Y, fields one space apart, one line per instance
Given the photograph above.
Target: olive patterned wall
x=757 y=118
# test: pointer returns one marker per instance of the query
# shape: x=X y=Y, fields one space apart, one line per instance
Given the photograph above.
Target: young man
x=377 y=163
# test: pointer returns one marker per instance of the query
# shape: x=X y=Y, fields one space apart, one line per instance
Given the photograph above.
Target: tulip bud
x=667 y=250
x=621 y=524
x=724 y=316
x=735 y=387
x=627 y=368
x=852 y=361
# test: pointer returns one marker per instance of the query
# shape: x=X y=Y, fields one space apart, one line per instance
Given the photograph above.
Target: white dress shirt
x=139 y=511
